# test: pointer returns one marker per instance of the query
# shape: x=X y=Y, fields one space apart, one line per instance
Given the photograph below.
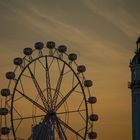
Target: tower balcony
x=134 y=84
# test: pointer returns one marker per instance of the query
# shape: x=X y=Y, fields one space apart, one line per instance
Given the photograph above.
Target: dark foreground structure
x=134 y=85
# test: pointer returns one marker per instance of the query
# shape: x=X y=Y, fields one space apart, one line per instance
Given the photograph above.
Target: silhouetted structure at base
x=135 y=88
x=45 y=129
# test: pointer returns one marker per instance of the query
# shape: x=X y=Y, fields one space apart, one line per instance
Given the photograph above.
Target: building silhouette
x=134 y=85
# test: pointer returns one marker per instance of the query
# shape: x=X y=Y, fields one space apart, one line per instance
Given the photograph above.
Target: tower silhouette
x=134 y=85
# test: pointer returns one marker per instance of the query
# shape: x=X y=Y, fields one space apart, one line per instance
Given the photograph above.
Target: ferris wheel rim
x=81 y=86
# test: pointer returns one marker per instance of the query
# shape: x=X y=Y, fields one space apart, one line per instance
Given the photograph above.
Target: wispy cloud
x=45 y=24
x=122 y=19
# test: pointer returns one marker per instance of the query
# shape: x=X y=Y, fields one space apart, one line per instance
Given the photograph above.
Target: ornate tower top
x=138 y=41
x=138 y=45
x=136 y=58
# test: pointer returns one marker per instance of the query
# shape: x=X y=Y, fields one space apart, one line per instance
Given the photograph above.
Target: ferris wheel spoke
x=70 y=128
x=74 y=111
x=82 y=129
x=32 y=101
x=39 y=89
x=48 y=84
x=18 y=125
x=29 y=117
x=81 y=103
x=58 y=65
x=82 y=116
x=61 y=132
x=56 y=94
x=41 y=64
x=51 y=63
x=66 y=97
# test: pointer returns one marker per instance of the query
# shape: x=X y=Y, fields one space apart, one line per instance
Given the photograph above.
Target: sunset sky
x=102 y=33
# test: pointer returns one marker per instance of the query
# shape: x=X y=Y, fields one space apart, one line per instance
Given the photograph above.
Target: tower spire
x=138 y=44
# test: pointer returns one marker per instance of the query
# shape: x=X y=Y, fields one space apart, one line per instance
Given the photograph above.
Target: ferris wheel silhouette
x=47 y=97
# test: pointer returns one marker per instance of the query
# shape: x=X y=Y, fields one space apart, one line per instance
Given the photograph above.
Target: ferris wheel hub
x=51 y=113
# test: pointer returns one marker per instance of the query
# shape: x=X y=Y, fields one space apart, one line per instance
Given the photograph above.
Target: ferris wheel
x=47 y=97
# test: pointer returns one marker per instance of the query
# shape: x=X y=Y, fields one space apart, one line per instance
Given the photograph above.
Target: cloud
x=39 y=25
x=122 y=19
